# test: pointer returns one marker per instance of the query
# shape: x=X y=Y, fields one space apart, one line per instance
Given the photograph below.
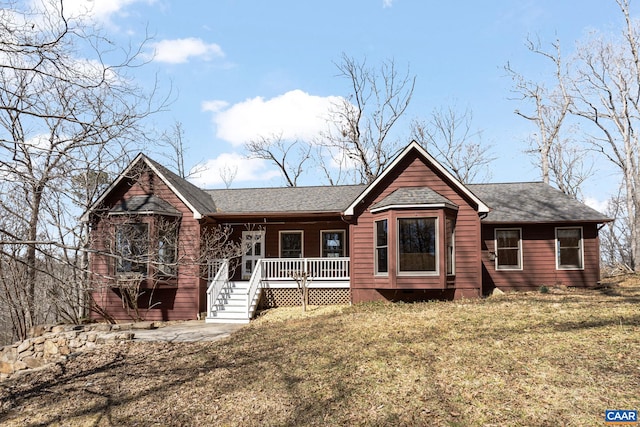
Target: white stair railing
x=254 y=285
x=220 y=279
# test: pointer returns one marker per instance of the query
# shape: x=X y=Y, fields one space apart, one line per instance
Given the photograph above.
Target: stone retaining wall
x=53 y=344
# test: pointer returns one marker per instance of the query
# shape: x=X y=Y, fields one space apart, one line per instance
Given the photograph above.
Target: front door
x=254 y=241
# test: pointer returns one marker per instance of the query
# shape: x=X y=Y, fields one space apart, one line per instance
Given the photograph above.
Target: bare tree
x=359 y=129
x=562 y=162
x=288 y=156
x=614 y=238
x=606 y=94
x=58 y=113
x=551 y=105
x=228 y=175
x=450 y=136
x=174 y=140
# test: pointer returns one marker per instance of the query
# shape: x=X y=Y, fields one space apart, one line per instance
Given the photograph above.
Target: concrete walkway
x=187 y=331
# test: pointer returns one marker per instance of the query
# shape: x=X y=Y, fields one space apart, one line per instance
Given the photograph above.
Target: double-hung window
x=291 y=244
x=381 y=247
x=569 y=248
x=132 y=248
x=168 y=251
x=332 y=243
x=417 y=245
x=508 y=249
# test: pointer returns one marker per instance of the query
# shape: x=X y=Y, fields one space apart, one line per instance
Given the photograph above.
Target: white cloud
x=387 y=3
x=293 y=115
x=214 y=106
x=207 y=175
x=599 y=205
x=178 y=51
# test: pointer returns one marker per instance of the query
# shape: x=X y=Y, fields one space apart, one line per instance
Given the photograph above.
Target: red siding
x=179 y=299
x=414 y=172
x=539 y=259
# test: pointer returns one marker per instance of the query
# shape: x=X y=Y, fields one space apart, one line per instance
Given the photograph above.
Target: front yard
x=536 y=359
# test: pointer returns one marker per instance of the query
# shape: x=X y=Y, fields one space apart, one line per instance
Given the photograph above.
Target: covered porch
x=237 y=301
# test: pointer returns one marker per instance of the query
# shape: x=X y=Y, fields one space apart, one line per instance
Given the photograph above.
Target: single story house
x=415 y=233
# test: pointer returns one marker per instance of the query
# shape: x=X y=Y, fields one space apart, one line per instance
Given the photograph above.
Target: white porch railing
x=219 y=270
x=317 y=268
x=272 y=272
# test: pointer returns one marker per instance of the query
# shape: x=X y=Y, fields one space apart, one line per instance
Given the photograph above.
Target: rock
x=38 y=340
x=9 y=354
x=58 y=329
x=496 y=292
x=34 y=362
x=6 y=368
x=37 y=331
x=143 y=325
x=24 y=346
x=101 y=327
x=91 y=337
x=24 y=354
x=126 y=336
x=50 y=348
x=19 y=366
x=64 y=350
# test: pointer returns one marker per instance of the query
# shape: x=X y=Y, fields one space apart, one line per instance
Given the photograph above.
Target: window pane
x=417 y=244
x=332 y=243
x=131 y=246
x=291 y=245
x=569 y=247
x=381 y=233
x=381 y=262
x=508 y=245
x=167 y=251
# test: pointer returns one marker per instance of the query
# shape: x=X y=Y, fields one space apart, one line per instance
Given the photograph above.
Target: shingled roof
x=413 y=196
x=199 y=199
x=143 y=205
x=532 y=202
x=285 y=199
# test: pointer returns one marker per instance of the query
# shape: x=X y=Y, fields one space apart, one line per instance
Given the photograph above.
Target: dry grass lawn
x=553 y=359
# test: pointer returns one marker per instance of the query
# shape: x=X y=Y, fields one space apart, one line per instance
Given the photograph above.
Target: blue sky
x=240 y=69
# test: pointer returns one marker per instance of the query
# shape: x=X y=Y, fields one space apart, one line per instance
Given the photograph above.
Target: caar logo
x=618 y=417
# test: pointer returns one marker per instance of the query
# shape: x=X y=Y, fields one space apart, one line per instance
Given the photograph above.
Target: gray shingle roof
x=142 y=204
x=532 y=202
x=413 y=196
x=198 y=198
x=285 y=199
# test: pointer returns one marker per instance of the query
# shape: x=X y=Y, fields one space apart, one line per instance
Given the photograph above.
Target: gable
x=194 y=198
x=415 y=149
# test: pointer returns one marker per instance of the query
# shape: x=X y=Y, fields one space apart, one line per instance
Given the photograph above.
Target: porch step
x=231 y=305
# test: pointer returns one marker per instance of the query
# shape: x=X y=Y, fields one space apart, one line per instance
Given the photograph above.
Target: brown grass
x=553 y=359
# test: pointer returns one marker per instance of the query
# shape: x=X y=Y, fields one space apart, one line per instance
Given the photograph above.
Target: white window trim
x=343 y=241
x=557 y=249
x=437 y=248
x=281 y=232
x=520 y=250
x=377 y=273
